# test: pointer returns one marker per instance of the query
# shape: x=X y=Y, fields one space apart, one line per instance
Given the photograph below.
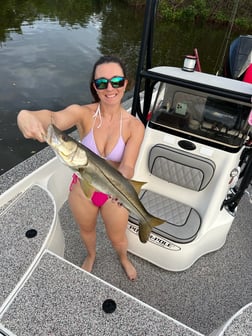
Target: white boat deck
x=56 y=297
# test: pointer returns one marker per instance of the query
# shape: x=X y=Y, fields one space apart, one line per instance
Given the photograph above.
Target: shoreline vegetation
x=219 y=12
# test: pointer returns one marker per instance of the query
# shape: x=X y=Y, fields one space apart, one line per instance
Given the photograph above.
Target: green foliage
x=201 y=8
x=183 y=10
x=213 y=10
x=188 y=14
x=221 y=17
x=166 y=11
x=208 y=10
x=243 y=23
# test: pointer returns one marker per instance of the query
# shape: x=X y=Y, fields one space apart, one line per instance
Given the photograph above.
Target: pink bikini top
x=89 y=141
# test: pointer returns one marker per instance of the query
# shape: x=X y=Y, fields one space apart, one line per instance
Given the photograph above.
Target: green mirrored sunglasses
x=102 y=83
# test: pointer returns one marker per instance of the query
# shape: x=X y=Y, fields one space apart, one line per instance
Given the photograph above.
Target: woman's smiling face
x=110 y=95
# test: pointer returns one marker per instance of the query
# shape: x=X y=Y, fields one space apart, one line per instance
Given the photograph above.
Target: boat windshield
x=201 y=115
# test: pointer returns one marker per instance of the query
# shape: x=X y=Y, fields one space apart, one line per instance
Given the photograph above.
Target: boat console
x=190 y=159
x=196 y=156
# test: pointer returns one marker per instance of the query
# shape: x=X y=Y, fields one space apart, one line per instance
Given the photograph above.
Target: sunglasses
x=102 y=83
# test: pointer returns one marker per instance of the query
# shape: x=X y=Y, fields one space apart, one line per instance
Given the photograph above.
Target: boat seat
x=185 y=170
x=181 y=168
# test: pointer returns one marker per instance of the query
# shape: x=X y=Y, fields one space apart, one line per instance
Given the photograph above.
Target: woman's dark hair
x=103 y=60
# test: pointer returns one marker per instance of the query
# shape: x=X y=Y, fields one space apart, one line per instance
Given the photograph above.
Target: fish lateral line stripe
x=117 y=188
x=114 y=185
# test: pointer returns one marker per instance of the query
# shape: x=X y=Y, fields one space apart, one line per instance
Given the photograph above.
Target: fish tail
x=145 y=228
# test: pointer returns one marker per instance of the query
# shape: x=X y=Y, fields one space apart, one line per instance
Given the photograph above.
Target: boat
x=195 y=271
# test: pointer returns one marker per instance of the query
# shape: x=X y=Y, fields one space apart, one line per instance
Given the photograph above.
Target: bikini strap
x=97 y=114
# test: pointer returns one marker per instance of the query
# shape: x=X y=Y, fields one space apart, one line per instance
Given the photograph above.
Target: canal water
x=47 y=50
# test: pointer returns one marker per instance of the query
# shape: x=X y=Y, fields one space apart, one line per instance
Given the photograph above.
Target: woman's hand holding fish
x=31 y=126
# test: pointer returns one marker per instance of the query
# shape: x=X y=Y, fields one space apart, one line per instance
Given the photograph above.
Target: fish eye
x=65 y=137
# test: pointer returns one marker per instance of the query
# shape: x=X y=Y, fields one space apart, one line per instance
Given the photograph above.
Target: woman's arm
x=33 y=124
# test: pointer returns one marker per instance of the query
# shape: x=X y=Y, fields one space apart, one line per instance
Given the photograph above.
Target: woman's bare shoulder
x=133 y=127
x=89 y=108
x=135 y=122
x=85 y=117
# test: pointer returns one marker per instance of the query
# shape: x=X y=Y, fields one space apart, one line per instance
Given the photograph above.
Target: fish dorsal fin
x=137 y=185
x=87 y=188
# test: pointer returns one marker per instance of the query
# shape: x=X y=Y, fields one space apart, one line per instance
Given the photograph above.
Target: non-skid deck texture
x=31 y=210
x=202 y=297
x=62 y=300
x=240 y=324
x=17 y=173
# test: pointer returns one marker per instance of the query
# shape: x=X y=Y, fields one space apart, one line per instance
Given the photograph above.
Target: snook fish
x=97 y=174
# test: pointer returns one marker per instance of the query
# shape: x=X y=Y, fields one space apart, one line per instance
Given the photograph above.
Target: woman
x=111 y=132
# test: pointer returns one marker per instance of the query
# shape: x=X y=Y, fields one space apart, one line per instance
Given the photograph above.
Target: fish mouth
x=51 y=137
x=49 y=134
x=55 y=142
x=66 y=148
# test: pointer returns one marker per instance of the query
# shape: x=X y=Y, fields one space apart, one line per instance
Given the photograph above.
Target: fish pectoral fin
x=145 y=228
x=87 y=188
x=137 y=185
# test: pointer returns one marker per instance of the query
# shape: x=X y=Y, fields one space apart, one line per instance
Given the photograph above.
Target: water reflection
x=48 y=49
x=73 y=13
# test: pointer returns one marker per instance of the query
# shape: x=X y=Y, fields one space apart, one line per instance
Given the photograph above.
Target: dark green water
x=48 y=49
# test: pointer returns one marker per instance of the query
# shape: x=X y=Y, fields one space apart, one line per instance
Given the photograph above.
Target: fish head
x=66 y=148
